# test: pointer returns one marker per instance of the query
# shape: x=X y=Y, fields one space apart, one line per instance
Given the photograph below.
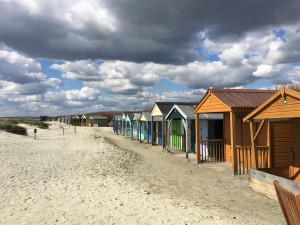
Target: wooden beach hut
x=234 y=104
x=68 y=119
x=101 y=120
x=279 y=118
x=128 y=124
x=77 y=120
x=159 y=124
x=85 y=120
x=117 y=123
x=98 y=120
x=123 y=121
x=135 y=125
x=73 y=120
x=181 y=128
x=145 y=127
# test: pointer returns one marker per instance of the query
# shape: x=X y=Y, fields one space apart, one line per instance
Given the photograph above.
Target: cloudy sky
x=68 y=57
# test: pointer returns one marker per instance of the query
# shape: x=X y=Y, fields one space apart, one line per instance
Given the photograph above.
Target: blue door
x=160 y=133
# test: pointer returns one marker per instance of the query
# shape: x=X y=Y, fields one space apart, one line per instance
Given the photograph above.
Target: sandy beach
x=98 y=177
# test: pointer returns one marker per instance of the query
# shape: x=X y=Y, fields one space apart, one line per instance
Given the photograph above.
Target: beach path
x=98 y=177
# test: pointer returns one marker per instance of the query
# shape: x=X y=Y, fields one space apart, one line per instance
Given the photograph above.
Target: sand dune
x=97 y=177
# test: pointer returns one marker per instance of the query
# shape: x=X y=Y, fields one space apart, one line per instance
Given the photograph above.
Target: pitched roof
x=147 y=115
x=94 y=116
x=188 y=110
x=98 y=117
x=283 y=92
x=136 y=116
x=236 y=98
x=165 y=107
x=242 y=97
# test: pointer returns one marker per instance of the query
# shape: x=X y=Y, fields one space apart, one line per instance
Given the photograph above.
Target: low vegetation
x=11 y=125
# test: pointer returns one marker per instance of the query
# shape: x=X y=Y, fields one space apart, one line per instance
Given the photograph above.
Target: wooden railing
x=245 y=158
x=212 y=150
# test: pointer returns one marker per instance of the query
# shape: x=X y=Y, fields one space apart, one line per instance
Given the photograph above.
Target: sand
x=98 y=177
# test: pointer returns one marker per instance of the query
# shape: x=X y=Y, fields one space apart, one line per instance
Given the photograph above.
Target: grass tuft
x=11 y=125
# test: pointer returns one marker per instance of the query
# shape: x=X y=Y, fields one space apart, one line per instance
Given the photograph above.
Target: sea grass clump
x=39 y=124
x=12 y=127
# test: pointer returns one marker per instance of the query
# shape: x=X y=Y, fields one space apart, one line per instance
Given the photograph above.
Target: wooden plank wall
x=212 y=104
x=243 y=137
x=289 y=110
x=281 y=139
x=262 y=139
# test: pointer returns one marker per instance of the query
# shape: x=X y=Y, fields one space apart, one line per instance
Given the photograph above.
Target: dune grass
x=11 y=125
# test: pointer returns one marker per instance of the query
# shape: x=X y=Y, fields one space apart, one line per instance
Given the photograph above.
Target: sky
x=75 y=57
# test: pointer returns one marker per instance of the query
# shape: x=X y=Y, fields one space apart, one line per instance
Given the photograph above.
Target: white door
x=204 y=136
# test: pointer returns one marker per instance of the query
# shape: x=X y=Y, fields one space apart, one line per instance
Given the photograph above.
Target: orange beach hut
x=280 y=124
x=234 y=104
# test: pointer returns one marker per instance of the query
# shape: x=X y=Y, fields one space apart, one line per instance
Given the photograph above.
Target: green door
x=176 y=134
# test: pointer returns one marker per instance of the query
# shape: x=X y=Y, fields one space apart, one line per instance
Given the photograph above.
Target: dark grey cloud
x=133 y=30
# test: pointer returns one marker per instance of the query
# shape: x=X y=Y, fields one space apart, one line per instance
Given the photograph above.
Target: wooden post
x=75 y=128
x=269 y=143
x=152 y=131
x=35 y=131
x=169 y=134
x=163 y=132
x=187 y=141
x=131 y=129
x=253 y=152
x=234 y=162
x=140 y=131
x=197 y=138
x=259 y=128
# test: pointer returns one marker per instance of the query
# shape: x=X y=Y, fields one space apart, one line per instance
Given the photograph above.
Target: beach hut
x=72 y=119
x=145 y=127
x=135 y=125
x=85 y=120
x=76 y=120
x=234 y=104
x=181 y=127
x=279 y=118
x=63 y=119
x=159 y=123
x=117 y=123
x=128 y=124
x=123 y=123
x=120 y=123
x=96 y=120
x=60 y=119
x=68 y=119
x=99 y=121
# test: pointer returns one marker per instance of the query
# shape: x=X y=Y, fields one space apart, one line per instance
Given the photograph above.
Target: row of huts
x=88 y=120
x=248 y=129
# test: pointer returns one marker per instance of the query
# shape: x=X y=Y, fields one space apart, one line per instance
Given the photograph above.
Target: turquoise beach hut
x=135 y=125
